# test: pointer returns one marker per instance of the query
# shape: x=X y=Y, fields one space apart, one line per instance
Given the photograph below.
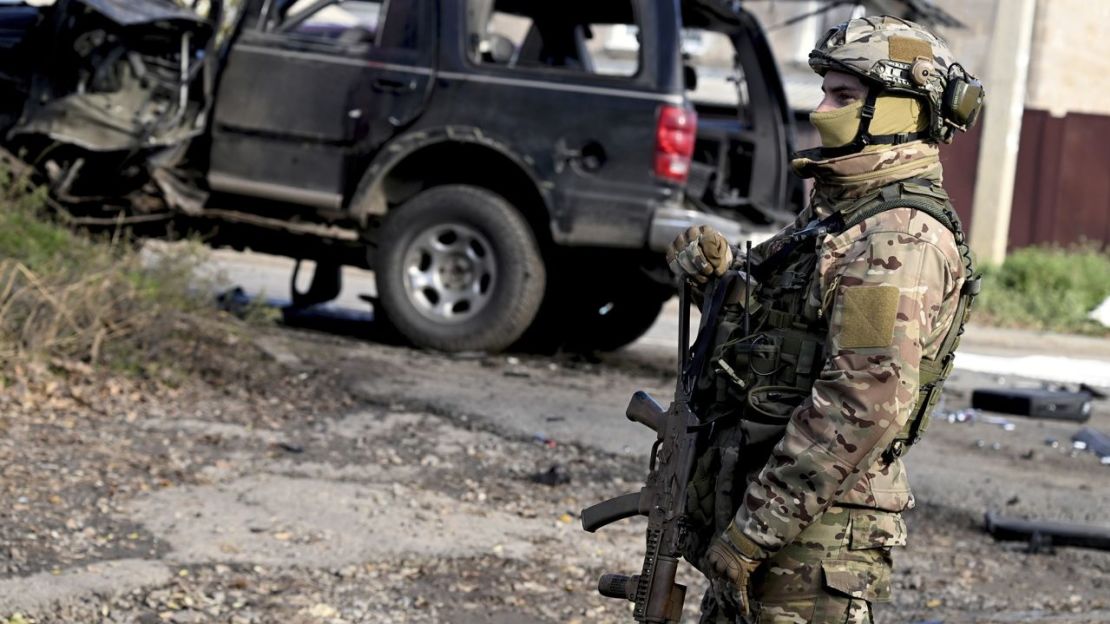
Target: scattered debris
x=1005 y=423
x=1094 y=392
x=555 y=475
x=1101 y=314
x=1034 y=403
x=962 y=416
x=1094 y=441
x=972 y=416
x=1044 y=535
x=541 y=438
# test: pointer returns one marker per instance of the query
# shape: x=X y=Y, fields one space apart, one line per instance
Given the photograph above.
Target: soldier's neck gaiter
x=855 y=175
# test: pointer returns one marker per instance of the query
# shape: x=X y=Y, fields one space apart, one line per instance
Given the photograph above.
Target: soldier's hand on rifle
x=699 y=253
x=733 y=563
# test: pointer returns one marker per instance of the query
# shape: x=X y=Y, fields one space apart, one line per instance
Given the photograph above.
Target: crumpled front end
x=120 y=76
x=117 y=90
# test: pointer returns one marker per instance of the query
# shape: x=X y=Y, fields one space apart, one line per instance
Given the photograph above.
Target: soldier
x=853 y=317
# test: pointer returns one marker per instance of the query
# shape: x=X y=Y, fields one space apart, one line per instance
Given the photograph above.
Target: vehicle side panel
x=555 y=121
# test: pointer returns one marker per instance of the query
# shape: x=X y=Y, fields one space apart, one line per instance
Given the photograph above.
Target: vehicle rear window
x=711 y=58
x=602 y=39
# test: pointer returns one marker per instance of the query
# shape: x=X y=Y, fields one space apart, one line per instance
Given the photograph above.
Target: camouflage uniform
x=825 y=384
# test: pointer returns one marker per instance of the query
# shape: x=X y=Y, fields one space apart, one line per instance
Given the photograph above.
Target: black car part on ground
x=1044 y=535
x=1095 y=441
x=1034 y=402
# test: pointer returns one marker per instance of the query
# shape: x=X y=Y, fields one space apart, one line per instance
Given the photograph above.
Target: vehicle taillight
x=674 y=142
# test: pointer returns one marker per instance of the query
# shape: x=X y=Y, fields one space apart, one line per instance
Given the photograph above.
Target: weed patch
x=72 y=296
x=1046 y=288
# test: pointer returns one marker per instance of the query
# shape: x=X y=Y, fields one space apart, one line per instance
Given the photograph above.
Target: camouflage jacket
x=887 y=289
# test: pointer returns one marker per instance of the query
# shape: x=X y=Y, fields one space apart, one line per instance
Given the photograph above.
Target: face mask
x=893 y=115
x=839 y=126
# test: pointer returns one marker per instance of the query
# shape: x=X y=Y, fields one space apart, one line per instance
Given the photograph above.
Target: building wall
x=1070 y=68
x=1062 y=191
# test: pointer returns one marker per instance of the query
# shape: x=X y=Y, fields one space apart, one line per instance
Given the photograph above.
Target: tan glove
x=731 y=560
x=700 y=252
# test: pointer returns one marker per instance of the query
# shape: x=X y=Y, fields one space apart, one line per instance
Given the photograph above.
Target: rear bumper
x=669 y=220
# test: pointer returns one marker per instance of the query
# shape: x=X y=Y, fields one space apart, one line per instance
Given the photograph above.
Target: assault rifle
x=663 y=498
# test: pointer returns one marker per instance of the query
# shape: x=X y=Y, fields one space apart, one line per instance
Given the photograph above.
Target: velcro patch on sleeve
x=907 y=49
x=869 y=315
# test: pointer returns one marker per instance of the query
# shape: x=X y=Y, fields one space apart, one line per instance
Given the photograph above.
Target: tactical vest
x=757 y=378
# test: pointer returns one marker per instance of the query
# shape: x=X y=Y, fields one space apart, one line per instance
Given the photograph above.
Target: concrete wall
x=1070 y=70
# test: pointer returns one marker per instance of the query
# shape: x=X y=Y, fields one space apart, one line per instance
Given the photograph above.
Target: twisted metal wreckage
x=105 y=95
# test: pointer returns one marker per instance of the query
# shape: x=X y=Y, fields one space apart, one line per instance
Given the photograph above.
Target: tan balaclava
x=856 y=174
x=894 y=114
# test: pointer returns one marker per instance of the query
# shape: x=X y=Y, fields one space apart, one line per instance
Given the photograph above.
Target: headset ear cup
x=963 y=99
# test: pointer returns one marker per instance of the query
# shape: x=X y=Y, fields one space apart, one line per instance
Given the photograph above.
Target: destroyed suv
x=508 y=168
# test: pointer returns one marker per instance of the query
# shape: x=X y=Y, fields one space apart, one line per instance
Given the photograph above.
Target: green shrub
x=1048 y=288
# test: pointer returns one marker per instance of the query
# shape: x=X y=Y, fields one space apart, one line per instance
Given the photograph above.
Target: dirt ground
x=311 y=477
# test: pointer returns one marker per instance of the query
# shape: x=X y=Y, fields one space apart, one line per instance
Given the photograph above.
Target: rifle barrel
x=683 y=329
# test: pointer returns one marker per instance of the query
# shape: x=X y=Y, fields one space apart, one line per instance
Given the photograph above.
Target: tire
x=458 y=269
x=614 y=323
x=596 y=316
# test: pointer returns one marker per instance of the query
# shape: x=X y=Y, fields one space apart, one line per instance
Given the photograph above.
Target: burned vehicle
x=509 y=169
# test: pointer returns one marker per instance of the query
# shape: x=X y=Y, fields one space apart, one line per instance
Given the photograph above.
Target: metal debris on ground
x=557 y=474
x=1044 y=535
x=1093 y=440
x=970 y=415
x=1034 y=403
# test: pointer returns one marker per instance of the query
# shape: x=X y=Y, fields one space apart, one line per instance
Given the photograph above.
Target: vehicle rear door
x=312 y=89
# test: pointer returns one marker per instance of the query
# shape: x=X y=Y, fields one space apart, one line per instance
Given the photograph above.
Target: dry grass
x=69 y=296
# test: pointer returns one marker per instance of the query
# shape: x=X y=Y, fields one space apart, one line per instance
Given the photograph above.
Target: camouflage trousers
x=831 y=574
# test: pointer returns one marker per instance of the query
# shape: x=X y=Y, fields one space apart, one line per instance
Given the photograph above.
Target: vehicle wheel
x=597 y=316
x=607 y=323
x=459 y=269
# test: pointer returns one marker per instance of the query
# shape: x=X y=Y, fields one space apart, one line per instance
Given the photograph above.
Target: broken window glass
x=345 y=22
x=545 y=36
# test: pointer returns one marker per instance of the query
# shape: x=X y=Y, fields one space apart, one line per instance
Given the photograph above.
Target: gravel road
x=311 y=477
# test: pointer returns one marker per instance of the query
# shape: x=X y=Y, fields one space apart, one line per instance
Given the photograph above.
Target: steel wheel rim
x=450 y=272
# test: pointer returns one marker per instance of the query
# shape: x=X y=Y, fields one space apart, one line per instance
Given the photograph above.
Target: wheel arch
x=426 y=160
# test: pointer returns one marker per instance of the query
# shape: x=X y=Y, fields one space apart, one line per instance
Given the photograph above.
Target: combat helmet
x=898 y=56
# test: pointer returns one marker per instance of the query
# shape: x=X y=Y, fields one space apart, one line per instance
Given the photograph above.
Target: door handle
x=390 y=85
